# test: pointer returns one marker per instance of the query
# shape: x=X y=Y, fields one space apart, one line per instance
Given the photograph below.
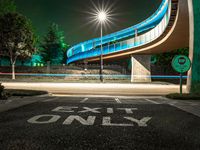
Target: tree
x=53 y=45
x=166 y=58
x=7 y=6
x=193 y=83
x=16 y=38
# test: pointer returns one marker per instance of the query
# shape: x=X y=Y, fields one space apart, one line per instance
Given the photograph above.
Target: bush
x=1 y=89
x=2 y=94
x=178 y=96
x=18 y=92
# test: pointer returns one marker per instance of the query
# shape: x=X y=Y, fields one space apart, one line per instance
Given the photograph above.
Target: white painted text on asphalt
x=70 y=109
x=90 y=120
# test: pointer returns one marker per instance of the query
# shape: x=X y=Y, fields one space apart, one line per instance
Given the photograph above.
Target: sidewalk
x=98 y=88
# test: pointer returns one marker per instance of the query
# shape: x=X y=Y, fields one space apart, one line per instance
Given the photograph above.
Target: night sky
x=72 y=18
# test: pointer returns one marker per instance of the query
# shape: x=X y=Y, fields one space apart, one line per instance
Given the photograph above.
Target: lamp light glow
x=102 y=16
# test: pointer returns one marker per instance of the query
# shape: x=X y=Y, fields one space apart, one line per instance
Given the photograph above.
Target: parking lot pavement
x=91 y=123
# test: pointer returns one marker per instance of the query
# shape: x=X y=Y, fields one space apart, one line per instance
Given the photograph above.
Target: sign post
x=181 y=64
x=181 y=83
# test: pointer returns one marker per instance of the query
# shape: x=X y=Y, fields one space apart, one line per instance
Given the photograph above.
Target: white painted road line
x=151 y=101
x=84 y=100
x=118 y=101
x=51 y=99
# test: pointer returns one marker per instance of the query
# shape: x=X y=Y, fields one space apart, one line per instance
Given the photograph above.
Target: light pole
x=102 y=17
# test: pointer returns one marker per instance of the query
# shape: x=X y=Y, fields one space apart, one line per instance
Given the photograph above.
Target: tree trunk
x=13 y=71
x=193 y=83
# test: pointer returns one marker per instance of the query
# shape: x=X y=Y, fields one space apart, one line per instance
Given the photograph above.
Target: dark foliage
x=17 y=38
x=2 y=93
x=53 y=47
x=7 y=6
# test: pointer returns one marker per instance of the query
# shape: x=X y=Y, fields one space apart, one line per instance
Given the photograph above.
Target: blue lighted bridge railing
x=150 y=29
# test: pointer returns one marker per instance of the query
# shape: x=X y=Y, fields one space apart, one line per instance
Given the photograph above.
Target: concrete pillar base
x=141 y=68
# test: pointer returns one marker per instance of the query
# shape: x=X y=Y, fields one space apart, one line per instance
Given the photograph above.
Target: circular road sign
x=181 y=63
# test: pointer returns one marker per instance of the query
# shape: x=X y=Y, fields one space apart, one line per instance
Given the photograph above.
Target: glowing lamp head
x=102 y=16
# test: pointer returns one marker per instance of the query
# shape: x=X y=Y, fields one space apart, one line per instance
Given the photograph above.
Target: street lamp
x=102 y=17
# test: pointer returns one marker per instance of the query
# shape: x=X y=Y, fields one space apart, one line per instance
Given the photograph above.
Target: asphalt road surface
x=81 y=123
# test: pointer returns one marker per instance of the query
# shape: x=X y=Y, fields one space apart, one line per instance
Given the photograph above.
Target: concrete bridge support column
x=193 y=84
x=141 y=68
